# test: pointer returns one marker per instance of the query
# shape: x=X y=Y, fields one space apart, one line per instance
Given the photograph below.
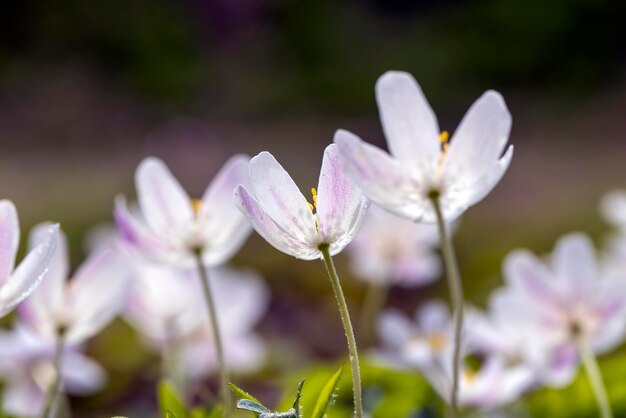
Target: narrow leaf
x=170 y=402
x=325 y=398
x=296 y=403
x=242 y=394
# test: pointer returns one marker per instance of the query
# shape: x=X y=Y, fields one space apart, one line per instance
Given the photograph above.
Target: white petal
x=341 y=205
x=280 y=198
x=575 y=260
x=409 y=123
x=223 y=227
x=9 y=238
x=81 y=375
x=480 y=138
x=270 y=231
x=23 y=398
x=136 y=236
x=433 y=317
x=164 y=203
x=29 y=273
x=613 y=208
x=40 y=309
x=96 y=295
x=394 y=328
x=529 y=275
x=382 y=179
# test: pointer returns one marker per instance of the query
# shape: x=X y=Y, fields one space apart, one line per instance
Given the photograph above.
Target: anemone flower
x=17 y=283
x=383 y=256
x=426 y=343
x=571 y=302
x=166 y=307
x=175 y=229
x=281 y=214
x=27 y=367
x=429 y=177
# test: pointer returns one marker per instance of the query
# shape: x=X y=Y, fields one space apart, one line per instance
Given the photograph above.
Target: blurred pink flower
x=172 y=226
x=390 y=249
x=80 y=307
x=281 y=214
x=26 y=365
x=16 y=284
x=166 y=306
x=427 y=343
x=462 y=171
x=566 y=299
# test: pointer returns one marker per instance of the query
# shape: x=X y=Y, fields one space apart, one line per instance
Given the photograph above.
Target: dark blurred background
x=89 y=88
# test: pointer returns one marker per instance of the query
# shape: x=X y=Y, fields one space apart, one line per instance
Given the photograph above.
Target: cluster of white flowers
x=164 y=267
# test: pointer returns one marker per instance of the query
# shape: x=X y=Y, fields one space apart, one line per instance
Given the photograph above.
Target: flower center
x=196 y=205
x=437 y=342
x=444 y=140
x=313 y=206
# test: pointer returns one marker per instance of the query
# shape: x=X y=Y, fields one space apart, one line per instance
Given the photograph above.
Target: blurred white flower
x=172 y=226
x=422 y=161
x=79 y=307
x=393 y=250
x=281 y=214
x=26 y=366
x=567 y=299
x=166 y=306
x=17 y=283
x=613 y=209
x=427 y=343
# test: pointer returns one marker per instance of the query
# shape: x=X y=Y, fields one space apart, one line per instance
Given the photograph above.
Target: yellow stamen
x=196 y=205
x=470 y=375
x=444 y=136
x=314 y=193
x=311 y=207
x=437 y=342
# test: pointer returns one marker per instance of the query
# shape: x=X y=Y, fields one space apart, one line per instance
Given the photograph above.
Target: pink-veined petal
x=341 y=205
x=81 y=375
x=29 y=273
x=224 y=228
x=9 y=238
x=164 y=203
x=270 y=231
x=382 y=179
x=526 y=273
x=574 y=260
x=409 y=123
x=41 y=308
x=136 y=236
x=480 y=138
x=96 y=295
x=280 y=198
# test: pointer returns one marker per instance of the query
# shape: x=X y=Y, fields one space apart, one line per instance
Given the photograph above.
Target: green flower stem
x=217 y=336
x=374 y=301
x=347 y=325
x=594 y=375
x=53 y=393
x=455 y=287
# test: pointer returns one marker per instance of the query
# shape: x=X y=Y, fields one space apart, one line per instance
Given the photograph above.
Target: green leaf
x=325 y=398
x=242 y=394
x=252 y=406
x=170 y=402
x=296 y=403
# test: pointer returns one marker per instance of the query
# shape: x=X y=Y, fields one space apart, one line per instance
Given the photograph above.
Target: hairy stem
x=217 y=336
x=48 y=411
x=347 y=325
x=594 y=375
x=455 y=287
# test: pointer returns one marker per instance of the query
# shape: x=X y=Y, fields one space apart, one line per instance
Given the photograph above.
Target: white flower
x=16 y=284
x=80 y=307
x=567 y=299
x=26 y=366
x=392 y=249
x=422 y=162
x=427 y=344
x=172 y=226
x=281 y=214
x=166 y=306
